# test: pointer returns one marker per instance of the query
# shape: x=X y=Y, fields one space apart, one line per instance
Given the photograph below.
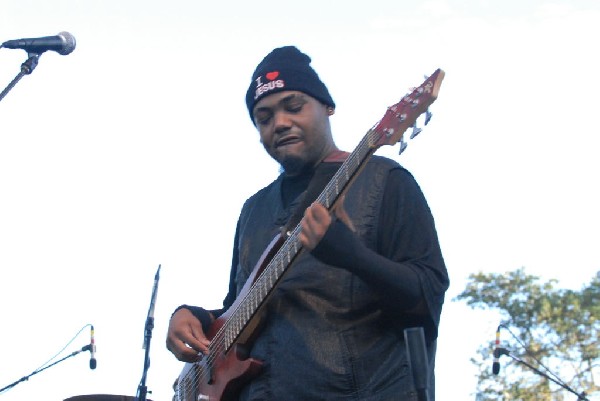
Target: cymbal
x=101 y=397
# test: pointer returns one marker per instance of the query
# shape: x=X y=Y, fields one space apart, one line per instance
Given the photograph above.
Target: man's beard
x=294 y=166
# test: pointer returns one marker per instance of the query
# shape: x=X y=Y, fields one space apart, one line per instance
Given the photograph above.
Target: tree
x=554 y=330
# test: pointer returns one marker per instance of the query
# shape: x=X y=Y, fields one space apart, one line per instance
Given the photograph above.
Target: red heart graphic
x=272 y=75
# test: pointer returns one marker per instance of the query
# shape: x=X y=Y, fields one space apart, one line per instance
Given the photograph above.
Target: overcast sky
x=137 y=150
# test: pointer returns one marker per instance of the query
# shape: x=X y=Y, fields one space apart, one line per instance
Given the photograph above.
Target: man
x=333 y=326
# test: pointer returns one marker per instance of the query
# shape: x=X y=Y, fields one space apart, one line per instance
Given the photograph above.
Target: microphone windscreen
x=69 y=43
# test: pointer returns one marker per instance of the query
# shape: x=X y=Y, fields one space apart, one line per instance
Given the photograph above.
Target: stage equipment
x=142 y=389
x=45 y=366
x=63 y=43
x=499 y=351
x=418 y=360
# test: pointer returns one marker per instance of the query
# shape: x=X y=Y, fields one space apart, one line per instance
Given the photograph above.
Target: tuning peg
x=403 y=145
x=416 y=131
x=428 y=116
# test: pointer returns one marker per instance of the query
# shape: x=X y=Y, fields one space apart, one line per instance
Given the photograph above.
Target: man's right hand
x=185 y=337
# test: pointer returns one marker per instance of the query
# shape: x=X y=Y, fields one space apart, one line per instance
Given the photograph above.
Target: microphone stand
x=25 y=378
x=503 y=351
x=142 y=389
x=418 y=362
x=26 y=68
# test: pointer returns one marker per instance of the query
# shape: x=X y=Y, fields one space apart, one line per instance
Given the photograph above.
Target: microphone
x=92 y=349
x=154 y=293
x=496 y=364
x=63 y=43
x=150 y=318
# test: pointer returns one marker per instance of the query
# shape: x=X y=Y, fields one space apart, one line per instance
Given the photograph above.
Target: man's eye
x=294 y=107
x=263 y=119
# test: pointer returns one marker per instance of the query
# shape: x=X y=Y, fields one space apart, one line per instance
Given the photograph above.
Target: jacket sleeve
x=407 y=268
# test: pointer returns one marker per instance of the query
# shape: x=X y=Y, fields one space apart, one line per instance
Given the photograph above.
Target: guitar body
x=230 y=371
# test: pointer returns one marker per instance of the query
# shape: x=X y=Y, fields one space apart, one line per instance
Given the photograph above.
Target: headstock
x=403 y=115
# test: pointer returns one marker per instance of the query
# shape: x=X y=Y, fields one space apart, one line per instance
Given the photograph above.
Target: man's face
x=294 y=129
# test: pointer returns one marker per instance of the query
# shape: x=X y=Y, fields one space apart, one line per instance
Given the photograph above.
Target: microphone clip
x=498 y=352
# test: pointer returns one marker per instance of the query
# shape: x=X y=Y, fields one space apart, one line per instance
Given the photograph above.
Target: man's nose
x=282 y=121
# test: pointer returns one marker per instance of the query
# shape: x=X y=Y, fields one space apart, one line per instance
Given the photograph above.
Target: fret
x=280 y=266
x=262 y=295
x=256 y=295
x=255 y=300
x=249 y=311
x=273 y=276
x=244 y=317
x=369 y=137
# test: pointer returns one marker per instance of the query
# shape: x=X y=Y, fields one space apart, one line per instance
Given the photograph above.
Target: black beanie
x=286 y=68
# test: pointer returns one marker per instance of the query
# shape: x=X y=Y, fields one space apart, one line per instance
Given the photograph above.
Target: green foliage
x=553 y=330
